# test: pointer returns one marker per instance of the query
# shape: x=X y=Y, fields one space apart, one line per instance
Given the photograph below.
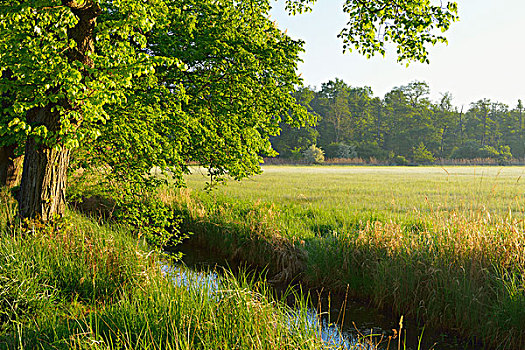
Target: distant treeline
x=402 y=128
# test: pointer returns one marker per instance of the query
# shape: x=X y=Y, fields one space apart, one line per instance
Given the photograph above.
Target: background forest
x=405 y=127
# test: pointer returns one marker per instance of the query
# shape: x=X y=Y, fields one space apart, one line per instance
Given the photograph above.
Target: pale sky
x=485 y=57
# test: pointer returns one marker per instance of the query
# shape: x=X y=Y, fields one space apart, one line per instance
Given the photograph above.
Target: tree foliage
x=294 y=139
x=409 y=25
x=131 y=84
x=38 y=48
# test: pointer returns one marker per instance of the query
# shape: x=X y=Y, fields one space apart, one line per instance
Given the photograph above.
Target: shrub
x=400 y=160
x=487 y=152
x=150 y=218
x=296 y=154
x=340 y=150
x=471 y=150
x=504 y=156
x=467 y=150
x=421 y=155
x=313 y=155
x=370 y=150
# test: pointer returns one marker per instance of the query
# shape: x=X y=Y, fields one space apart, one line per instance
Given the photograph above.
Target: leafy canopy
x=409 y=24
x=205 y=81
x=36 y=47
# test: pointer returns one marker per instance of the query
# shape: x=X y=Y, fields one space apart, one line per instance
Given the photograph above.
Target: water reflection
x=209 y=280
x=183 y=276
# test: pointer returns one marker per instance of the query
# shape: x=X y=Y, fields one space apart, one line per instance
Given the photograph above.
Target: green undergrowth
x=79 y=284
x=459 y=271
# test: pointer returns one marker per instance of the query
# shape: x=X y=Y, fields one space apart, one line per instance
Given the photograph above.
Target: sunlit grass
x=77 y=284
x=394 y=192
x=442 y=245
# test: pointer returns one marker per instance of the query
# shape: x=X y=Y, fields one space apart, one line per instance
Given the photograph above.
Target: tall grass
x=83 y=285
x=444 y=246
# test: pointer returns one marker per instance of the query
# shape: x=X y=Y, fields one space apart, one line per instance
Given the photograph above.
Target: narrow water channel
x=346 y=324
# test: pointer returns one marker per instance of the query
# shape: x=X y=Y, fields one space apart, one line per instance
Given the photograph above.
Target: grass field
x=441 y=245
x=392 y=192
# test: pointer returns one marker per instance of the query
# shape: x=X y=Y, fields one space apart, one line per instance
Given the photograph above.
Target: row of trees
x=405 y=124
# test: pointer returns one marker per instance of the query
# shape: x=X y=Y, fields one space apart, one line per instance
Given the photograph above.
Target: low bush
x=340 y=150
x=313 y=155
x=421 y=155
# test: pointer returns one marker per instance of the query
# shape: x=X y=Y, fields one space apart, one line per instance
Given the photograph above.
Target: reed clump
x=241 y=232
x=462 y=273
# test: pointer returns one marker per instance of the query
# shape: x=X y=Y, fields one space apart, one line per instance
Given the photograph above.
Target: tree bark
x=44 y=177
x=10 y=167
x=42 y=192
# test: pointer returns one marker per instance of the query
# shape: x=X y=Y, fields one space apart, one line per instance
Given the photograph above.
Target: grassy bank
x=442 y=245
x=82 y=285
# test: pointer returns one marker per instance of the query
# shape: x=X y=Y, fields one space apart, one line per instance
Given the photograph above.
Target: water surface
x=343 y=323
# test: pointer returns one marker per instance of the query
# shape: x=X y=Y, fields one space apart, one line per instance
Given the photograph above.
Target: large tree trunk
x=43 y=188
x=10 y=167
x=42 y=193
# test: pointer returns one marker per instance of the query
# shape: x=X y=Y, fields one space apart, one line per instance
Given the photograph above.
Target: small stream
x=346 y=324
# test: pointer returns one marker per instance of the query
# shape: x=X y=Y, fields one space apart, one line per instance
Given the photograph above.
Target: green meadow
x=441 y=245
x=392 y=192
